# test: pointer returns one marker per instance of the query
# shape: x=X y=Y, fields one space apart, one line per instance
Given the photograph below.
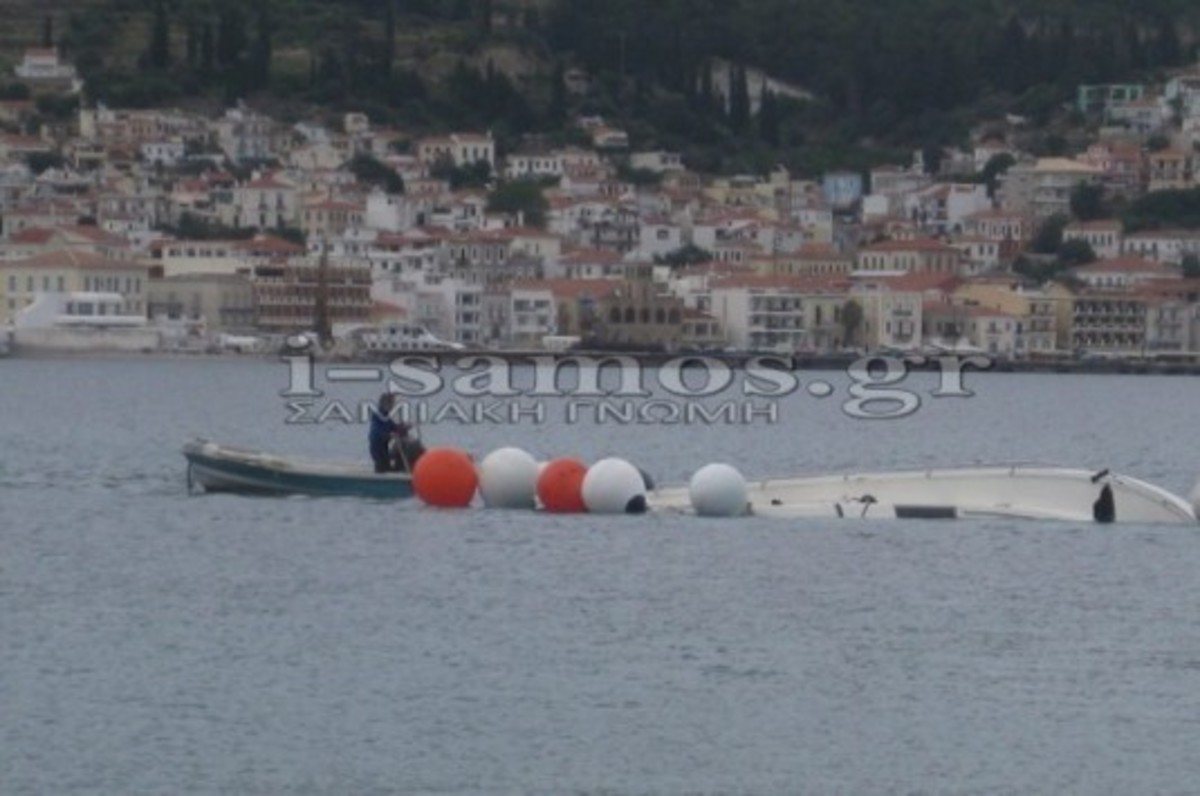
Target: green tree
x=688 y=254
x=739 y=99
x=389 y=37
x=1049 y=235
x=158 y=53
x=260 y=53
x=1191 y=266
x=1075 y=252
x=556 y=113
x=208 y=49
x=370 y=171
x=231 y=37
x=471 y=175
x=769 y=118
x=41 y=161
x=852 y=320
x=996 y=165
x=1087 y=202
x=1164 y=209
x=520 y=196
x=1157 y=143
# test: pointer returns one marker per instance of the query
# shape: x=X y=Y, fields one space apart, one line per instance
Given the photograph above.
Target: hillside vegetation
x=885 y=75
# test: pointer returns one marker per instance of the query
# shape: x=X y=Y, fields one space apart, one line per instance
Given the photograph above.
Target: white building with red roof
x=70 y=271
x=781 y=314
x=460 y=149
x=920 y=254
x=1105 y=236
x=1119 y=273
x=52 y=213
x=965 y=327
x=42 y=67
x=1162 y=245
x=942 y=207
x=266 y=201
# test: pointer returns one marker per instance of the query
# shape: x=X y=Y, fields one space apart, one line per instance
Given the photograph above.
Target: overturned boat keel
x=1024 y=492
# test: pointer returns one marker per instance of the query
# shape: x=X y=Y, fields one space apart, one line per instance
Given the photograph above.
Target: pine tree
x=159 y=52
x=769 y=118
x=192 y=47
x=260 y=61
x=208 y=50
x=557 y=111
x=485 y=17
x=739 y=100
x=1167 y=49
x=231 y=38
x=706 y=99
x=389 y=37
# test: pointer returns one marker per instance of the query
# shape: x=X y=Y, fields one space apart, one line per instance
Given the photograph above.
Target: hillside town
x=152 y=229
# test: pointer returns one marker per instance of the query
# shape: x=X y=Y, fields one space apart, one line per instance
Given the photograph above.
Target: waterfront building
x=64 y=271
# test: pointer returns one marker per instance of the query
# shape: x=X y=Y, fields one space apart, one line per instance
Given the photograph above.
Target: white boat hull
x=1042 y=493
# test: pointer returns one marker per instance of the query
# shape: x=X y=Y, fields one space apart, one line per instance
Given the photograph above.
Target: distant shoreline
x=1111 y=366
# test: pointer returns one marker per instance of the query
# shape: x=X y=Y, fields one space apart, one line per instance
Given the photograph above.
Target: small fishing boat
x=220 y=468
x=1019 y=492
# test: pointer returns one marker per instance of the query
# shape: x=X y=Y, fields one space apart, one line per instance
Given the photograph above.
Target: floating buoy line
x=512 y=478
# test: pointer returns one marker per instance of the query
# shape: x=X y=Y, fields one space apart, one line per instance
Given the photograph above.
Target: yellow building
x=816 y=259
x=70 y=271
x=1036 y=310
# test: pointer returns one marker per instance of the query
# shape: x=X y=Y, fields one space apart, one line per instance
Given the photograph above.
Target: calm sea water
x=156 y=642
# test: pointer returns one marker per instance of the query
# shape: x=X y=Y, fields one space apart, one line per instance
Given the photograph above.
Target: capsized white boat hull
x=1027 y=492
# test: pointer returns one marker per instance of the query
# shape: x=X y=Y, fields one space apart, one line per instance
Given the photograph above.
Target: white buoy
x=718 y=490
x=614 y=486
x=508 y=479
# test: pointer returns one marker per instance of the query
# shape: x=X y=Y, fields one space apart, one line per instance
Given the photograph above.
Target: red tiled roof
x=916 y=281
x=938 y=307
x=32 y=236
x=267 y=183
x=94 y=234
x=72 y=258
x=380 y=307
x=269 y=244
x=572 y=288
x=915 y=244
x=794 y=284
x=590 y=256
x=1124 y=265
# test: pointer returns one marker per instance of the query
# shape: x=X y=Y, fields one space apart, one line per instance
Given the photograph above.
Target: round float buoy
x=445 y=477
x=718 y=490
x=508 y=479
x=560 y=486
x=614 y=486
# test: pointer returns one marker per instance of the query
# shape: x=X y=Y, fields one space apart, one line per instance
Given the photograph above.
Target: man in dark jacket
x=383 y=429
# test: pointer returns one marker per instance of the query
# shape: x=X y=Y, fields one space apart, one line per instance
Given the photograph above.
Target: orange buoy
x=560 y=486
x=445 y=477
